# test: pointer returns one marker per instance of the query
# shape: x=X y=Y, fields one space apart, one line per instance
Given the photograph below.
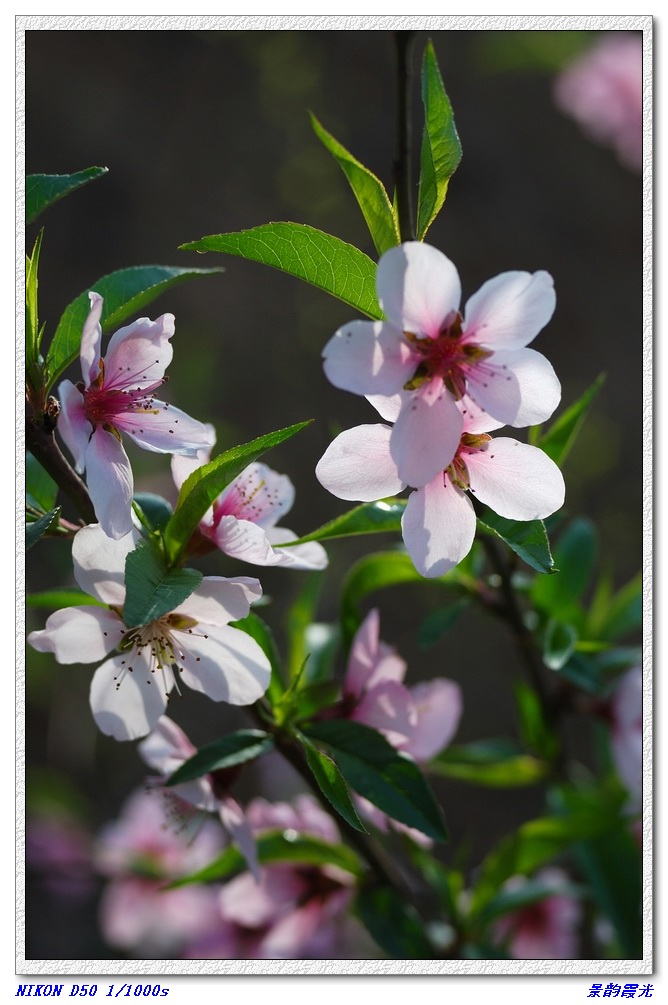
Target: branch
x=42 y=445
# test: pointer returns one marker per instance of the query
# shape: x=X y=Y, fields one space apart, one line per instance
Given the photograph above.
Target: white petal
x=228 y=665
x=519 y=388
x=516 y=480
x=426 y=435
x=133 y=709
x=73 y=426
x=418 y=287
x=184 y=465
x=79 y=634
x=218 y=600
x=166 y=430
x=357 y=465
x=167 y=747
x=369 y=357
x=476 y=420
x=244 y=540
x=303 y=556
x=508 y=311
x=99 y=563
x=438 y=527
x=139 y=354
x=388 y=407
x=91 y=338
x=110 y=483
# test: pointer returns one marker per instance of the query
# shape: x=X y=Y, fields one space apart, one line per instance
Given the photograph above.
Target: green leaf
x=260 y=631
x=317 y=258
x=495 y=763
x=561 y=435
x=528 y=893
x=390 y=780
x=64 y=597
x=235 y=748
x=153 y=589
x=533 y=728
x=41 y=490
x=277 y=847
x=439 y=622
x=331 y=783
x=32 y=319
x=611 y=617
x=527 y=538
x=42 y=190
x=300 y=615
x=381 y=517
x=38 y=528
x=125 y=293
x=575 y=555
x=441 y=150
x=558 y=643
x=583 y=672
x=368 y=190
x=393 y=923
x=155 y=510
x=205 y=484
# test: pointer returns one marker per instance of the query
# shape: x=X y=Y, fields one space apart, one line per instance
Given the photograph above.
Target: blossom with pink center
x=602 y=91
x=141 y=853
x=518 y=481
x=242 y=520
x=117 y=396
x=193 y=644
x=546 y=929
x=166 y=749
x=626 y=738
x=428 y=350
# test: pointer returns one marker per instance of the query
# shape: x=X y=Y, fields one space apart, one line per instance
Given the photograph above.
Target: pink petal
x=426 y=435
x=217 y=600
x=167 y=747
x=90 y=340
x=508 y=311
x=139 y=354
x=228 y=665
x=250 y=905
x=286 y=939
x=235 y=823
x=133 y=709
x=476 y=420
x=99 y=563
x=519 y=388
x=110 y=483
x=389 y=708
x=358 y=465
x=439 y=708
x=79 y=634
x=418 y=287
x=244 y=540
x=165 y=430
x=371 y=660
x=388 y=407
x=73 y=426
x=303 y=556
x=184 y=465
x=438 y=527
x=517 y=481
x=258 y=494
x=369 y=357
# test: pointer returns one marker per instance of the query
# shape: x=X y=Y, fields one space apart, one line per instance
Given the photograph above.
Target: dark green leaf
x=611 y=617
x=368 y=190
x=381 y=517
x=38 y=528
x=205 y=484
x=235 y=748
x=65 y=597
x=125 y=293
x=439 y=622
x=390 y=780
x=584 y=672
x=332 y=784
x=41 y=490
x=441 y=150
x=43 y=190
x=311 y=698
x=260 y=631
x=558 y=643
x=574 y=555
x=526 y=538
x=152 y=589
x=32 y=319
x=494 y=763
x=533 y=728
x=155 y=509
x=393 y=923
x=317 y=258
x=561 y=435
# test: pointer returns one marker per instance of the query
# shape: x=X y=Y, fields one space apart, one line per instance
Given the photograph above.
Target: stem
x=42 y=445
x=402 y=161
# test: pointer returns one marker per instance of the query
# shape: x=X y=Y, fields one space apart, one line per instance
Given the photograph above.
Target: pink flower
x=518 y=481
x=439 y=358
x=166 y=749
x=116 y=396
x=58 y=850
x=546 y=929
x=141 y=853
x=130 y=691
x=626 y=739
x=602 y=91
x=242 y=520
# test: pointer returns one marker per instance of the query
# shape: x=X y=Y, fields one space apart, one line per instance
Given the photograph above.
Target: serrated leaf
x=205 y=484
x=41 y=490
x=574 y=555
x=331 y=783
x=38 y=528
x=527 y=538
x=65 y=597
x=125 y=293
x=489 y=763
x=558 y=643
x=42 y=190
x=32 y=319
x=438 y=623
x=390 y=780
x=369 y=191
x=561 y=435
x=260 y=631
x=393 y=923
x=152 y=588
x=235 y=748
x=318 y=258
x=155 y=510
x=380 y=517
x=441 y=150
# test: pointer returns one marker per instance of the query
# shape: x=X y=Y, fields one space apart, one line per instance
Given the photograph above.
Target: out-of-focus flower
x=518 y=481
x=242 y=520
x=130 y=691
x=166 y=749
x=116 y=396
x=602 y=91
x=58 y=850
x=545 y=929
x=140 y=852
x=436 y=357
x=626 y=736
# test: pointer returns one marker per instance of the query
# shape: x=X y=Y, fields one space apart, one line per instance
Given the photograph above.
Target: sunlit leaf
x=561 y=435
x=381 y=517
x=42 y=190
x=527 y=538
x=492 y=763
x=64 y=597
x=260 y=631
x=574 y=556
x=441 y=150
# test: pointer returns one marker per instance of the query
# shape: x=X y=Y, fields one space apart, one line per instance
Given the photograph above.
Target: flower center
x=457 y=472
x=447 y=356
x=103 y=402
x=155 y=646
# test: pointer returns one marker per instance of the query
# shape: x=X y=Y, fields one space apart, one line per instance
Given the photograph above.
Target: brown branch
x=42 y=445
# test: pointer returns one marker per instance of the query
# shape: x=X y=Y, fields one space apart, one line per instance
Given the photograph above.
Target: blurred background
x=208 y=131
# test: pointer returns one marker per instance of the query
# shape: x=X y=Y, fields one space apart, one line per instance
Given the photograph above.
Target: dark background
x=208 y=131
